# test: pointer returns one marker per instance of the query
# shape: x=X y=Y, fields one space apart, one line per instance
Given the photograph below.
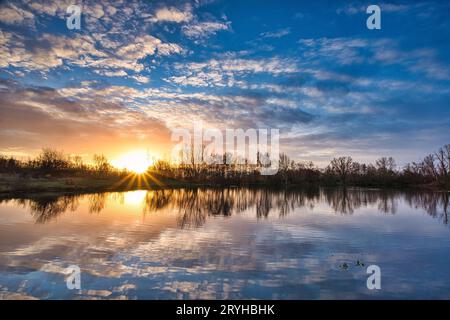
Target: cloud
x=51 y=7
x=359 y=51
x=46 y=117
x=174 y=15
x=204 y=29
x=276 y=34
x=324 y=89
x=117 y=73
x=11 y=14
x=344 y=50
x=52 y=51
x=247 y=109
x=425 y=61
x=101 y=45
x=224 y=72
x=141 y=79
x=355 y=8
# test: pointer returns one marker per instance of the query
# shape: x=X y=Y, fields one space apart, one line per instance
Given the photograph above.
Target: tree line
x=433 y=170
x=52 y=162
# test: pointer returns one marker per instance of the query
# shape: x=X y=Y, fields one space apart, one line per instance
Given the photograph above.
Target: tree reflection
x=97 y=202
x=45 y=209
x=436 y=204
x=194 y=206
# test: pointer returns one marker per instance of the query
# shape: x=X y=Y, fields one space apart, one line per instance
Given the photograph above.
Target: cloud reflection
x=224 y=243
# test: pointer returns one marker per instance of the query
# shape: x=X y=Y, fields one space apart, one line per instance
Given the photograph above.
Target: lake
x=227 y=244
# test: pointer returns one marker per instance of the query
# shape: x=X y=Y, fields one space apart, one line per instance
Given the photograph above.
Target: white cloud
x=204 y=29
x=165 y=49
x=344 y=50
x=270 y=65
x=117 y=73
x=51 y=51
x=276 y=34
x=220 y=73
x=141 y=79
x=51 y=8
x=174 y=15
x=356 y=8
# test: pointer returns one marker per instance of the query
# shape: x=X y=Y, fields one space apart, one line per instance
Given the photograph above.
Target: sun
x=136 y=161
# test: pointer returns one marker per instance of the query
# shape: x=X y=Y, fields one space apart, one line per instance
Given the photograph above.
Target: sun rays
x=133 y=180
x=137 y=163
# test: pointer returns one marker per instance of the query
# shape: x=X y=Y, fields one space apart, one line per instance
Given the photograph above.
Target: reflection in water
x=97 y=202
x=195 y=205
x=226 y=244
x=346 y=201
x=435 y=204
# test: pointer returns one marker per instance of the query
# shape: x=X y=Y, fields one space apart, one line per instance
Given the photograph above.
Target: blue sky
x=136 y=69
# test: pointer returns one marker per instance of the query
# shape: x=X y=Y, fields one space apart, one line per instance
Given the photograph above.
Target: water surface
x=226 y=244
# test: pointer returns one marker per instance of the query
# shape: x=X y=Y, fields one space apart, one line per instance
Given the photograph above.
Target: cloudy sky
x=136 y=69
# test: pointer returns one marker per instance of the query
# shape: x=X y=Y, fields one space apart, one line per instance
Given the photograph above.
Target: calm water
x=226 y=244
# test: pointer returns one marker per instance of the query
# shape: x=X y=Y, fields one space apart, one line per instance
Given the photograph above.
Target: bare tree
x=342 y=166
x=101 y=164
x=51 y=160
x=443 y=163
x=385 y=164
x=284 y=165
x=429 y=167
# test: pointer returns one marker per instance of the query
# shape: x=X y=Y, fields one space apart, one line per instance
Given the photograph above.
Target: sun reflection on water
x=135 y=198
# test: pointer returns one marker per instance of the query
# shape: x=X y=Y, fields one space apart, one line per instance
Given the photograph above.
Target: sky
x=135 y=70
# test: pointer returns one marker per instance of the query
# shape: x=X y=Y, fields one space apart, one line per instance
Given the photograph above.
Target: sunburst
x=137 y=161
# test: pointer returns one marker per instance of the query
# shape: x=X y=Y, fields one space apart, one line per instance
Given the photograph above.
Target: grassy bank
x=15 y=185
x=12 y=184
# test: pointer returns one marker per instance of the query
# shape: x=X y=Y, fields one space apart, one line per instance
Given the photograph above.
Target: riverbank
x=10 y=184
x=16 y=185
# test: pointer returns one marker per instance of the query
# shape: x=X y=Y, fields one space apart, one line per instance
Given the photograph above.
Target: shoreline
x=22 y=187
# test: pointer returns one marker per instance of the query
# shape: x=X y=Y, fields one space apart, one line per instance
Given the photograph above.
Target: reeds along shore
x=56 y=171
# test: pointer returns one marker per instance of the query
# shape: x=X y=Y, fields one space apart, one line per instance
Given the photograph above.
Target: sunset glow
x=207 y=150
x=136 y=161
